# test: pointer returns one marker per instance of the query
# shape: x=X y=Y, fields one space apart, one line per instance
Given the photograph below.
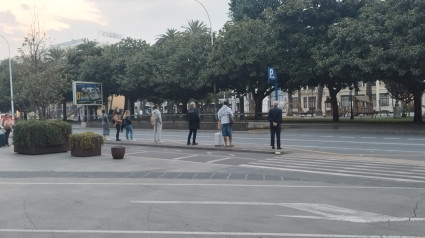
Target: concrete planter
x=118 y=152
x=37 y=150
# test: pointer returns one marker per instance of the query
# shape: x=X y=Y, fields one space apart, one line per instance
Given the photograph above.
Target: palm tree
x=170 y=34
x=55 y=54
x=196 y=27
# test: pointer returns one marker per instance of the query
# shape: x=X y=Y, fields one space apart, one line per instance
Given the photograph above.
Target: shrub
x=85 y=141
x=41 y=133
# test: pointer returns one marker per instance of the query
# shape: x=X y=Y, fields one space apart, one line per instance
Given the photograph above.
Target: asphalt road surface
x=325 y=184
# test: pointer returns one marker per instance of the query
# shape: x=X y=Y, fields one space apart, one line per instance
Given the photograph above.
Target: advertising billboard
x=87 y=93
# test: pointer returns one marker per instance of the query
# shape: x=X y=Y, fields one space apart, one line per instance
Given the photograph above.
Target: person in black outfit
x=275 y=119
x=194 y=122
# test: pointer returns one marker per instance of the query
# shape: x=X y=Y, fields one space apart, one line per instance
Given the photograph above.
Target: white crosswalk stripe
x=348 y=168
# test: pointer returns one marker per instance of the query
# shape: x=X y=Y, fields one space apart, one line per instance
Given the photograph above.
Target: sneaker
x=194 y=143
x=161 y=141
x=188 y=143
x=118 y=140
x=273 y=148
x=279 y=148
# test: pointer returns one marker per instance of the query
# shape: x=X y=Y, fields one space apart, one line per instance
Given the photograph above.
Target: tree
x=240 y=58
x=252 y=9
x=395 y=30
x=5 y=105
x=39 y=82
x=177 y=67
x=170 y=34
x=196 y=28
x=315 y=37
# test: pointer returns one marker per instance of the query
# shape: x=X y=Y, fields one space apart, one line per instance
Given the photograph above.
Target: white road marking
x=415 y=139
x=218 y=160
x=196 y=233
x=325 y=211
x=354 y=148
x=391 y=138
x=185 y=157
x=272 y=186
x=333 y=173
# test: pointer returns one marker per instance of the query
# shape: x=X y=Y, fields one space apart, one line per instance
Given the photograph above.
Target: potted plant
x=41 y=136
x=85 y=144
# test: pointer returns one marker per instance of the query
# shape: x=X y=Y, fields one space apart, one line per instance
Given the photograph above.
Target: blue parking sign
x=271 y=75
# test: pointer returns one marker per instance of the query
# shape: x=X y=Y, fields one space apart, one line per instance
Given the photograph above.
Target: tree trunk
x=417 y=99
x=319 y=111
x=289 y=109
x=369 y=90
x=334 y=104
x=242 y=104
x=258 y=107
x=65 y=118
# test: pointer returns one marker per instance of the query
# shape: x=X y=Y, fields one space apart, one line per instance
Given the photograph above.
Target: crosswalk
x=356 y=168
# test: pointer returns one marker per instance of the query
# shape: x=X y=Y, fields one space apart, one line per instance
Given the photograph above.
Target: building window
x=312 y=103
x=384 y=99
x=305 y=102
x=345 y=101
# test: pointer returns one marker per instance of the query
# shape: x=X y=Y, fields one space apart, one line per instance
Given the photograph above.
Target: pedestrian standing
x=226 y=128
x=117 y=124
x=105 y=125
x=275 y=119
x=7 y=124
x=194 y=120
x=127 y=125
x=157 y=128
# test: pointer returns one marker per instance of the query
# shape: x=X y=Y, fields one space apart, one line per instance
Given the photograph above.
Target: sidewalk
x=182 y=145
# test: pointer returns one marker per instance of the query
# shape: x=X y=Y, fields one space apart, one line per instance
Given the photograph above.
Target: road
x=312 y=190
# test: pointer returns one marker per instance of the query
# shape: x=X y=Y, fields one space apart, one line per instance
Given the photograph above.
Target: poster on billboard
x=87 y=93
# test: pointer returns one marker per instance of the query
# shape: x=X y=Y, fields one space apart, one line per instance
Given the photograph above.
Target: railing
x=205 y=117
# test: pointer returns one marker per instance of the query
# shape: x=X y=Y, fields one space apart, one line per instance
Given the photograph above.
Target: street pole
x=10 y=77
x=212 y=43
x=351 y=103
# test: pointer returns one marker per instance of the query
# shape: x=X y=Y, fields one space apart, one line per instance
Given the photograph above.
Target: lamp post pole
x=212 y=43
x=351 y=104
x=10 y=77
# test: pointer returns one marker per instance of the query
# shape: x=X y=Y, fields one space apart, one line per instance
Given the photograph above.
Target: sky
x=67 y=20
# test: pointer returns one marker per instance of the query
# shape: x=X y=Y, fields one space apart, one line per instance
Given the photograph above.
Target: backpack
x=191 y=114
x=153 y=119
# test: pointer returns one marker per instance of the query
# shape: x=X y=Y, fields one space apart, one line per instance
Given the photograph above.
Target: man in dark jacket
x=194 y=122
x=275 y=119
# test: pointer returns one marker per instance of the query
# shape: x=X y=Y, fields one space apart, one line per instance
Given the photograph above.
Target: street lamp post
x=351 y=104
x=10 y=77
x=212 y=43
x=209 y=19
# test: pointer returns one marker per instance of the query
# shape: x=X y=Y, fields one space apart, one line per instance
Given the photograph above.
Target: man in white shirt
x=226 y=127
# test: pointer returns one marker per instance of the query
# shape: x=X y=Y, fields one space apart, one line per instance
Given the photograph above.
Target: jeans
x=157 y=131
x=190 y=135
x=118 y=126
x=129 y=129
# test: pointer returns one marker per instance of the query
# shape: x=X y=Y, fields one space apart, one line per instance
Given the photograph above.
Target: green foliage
x=253 y=9
x=41 y=133
x=84 y=141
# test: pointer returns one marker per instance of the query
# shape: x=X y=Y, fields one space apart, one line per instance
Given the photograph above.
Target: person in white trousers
x=157 y=129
